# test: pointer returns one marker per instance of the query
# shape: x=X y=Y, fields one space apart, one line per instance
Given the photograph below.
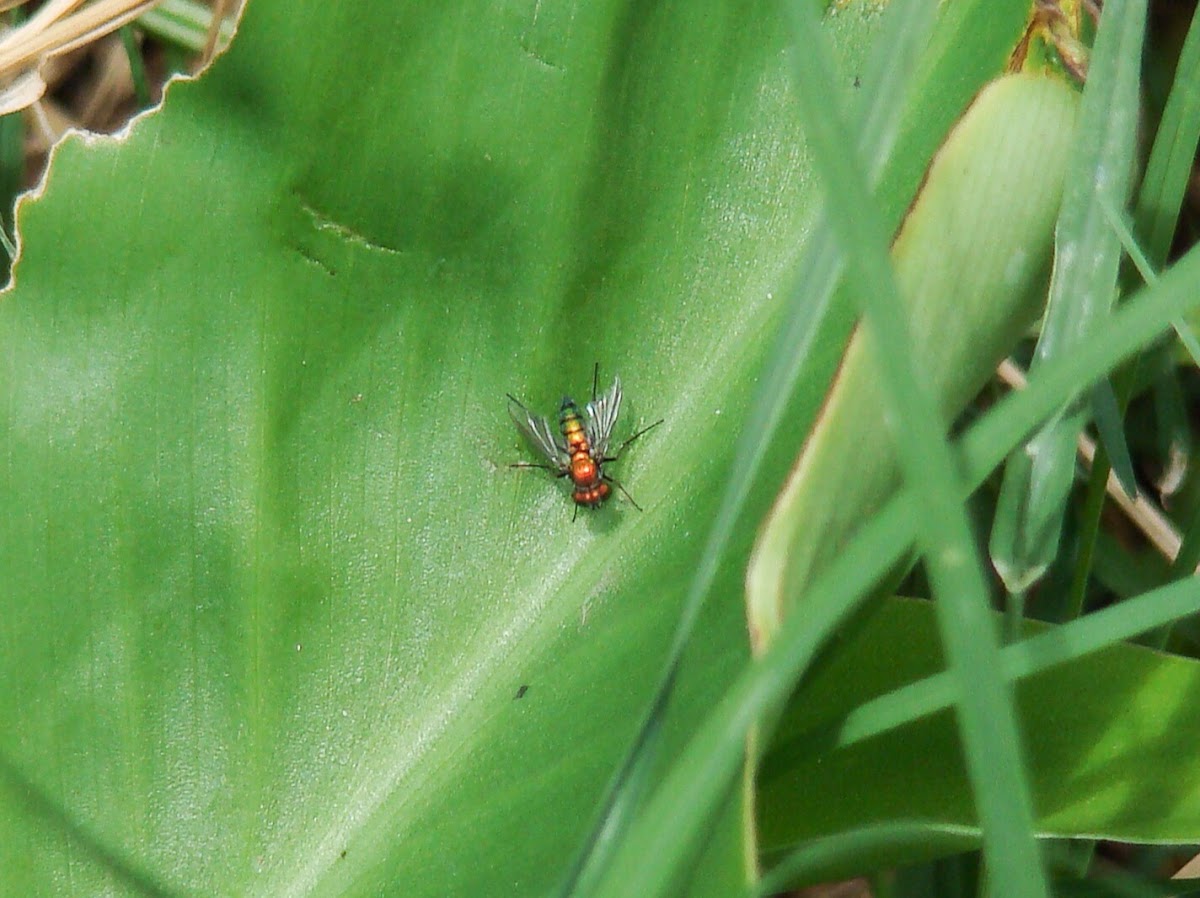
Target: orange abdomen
x=590 y=488
x=590 y=495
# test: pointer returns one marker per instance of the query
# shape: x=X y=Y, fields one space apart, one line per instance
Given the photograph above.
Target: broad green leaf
x=278 y=618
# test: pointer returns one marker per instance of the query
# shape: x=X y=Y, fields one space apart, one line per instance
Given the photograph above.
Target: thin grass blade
x=1026 y=531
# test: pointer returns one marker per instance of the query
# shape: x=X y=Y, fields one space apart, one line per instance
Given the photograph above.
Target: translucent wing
x=602 y=417
x=540 y=433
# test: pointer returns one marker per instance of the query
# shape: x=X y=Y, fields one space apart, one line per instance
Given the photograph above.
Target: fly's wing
x=539 y=432
x=602 y=417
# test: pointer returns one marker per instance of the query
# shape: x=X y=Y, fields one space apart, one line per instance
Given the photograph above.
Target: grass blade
x=1029 y=519
x=1059 y=645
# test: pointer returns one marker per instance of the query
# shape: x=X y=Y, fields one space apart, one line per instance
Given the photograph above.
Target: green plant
x=279 y=618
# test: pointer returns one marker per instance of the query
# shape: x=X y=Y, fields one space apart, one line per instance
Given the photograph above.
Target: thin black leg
x=621 y=448
x=619 y=486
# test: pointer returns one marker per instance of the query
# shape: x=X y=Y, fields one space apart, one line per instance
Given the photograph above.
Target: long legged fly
x=581 y=449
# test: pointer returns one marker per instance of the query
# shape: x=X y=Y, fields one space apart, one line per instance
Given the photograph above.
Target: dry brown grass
x=66 y=67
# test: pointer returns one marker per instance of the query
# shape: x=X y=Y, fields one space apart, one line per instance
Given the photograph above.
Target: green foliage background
x=277 y=618
x=271 y=588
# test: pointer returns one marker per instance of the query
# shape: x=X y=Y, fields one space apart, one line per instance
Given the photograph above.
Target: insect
x=581 y=451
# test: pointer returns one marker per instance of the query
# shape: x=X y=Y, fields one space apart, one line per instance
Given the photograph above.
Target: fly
x=581 y=449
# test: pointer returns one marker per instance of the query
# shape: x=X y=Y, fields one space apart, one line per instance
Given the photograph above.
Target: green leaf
x=1108 y=735
x=656 y=850
x=1165 y=181
x=890 y=334
x=969 y=306
x=278 y=617
x=1087 y=256
x=881 y=544
x=764 y=684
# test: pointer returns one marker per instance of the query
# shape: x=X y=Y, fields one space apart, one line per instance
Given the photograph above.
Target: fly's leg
x=595 y=380
x=621 y=448
x=617 y=455
x=618 y=485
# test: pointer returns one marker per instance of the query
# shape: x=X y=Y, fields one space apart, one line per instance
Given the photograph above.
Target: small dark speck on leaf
x=521 y=692
x=857 y=81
